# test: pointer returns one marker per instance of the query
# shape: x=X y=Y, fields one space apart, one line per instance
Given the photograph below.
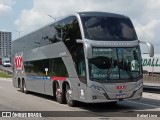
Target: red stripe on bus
x=59 y=78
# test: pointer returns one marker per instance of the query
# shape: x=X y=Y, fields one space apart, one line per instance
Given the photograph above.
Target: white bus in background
x=151 y=64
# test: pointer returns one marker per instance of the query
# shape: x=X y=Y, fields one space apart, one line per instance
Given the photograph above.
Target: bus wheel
x=24 y=88
x=69 y=100
x=59 y=95
x=21 y=87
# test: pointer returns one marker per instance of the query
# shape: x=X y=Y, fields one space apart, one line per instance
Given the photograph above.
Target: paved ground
x=9 y=69
x=11 y=99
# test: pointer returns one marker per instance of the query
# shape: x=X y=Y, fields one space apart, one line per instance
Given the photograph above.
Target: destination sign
x=101 y=51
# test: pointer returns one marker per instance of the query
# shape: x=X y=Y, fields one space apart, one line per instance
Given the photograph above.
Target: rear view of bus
x=113 y=58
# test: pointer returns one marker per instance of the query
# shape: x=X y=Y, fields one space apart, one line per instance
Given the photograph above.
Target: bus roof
x=101 y=14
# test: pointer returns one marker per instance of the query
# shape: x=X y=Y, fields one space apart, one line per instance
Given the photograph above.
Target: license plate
x=122 y=95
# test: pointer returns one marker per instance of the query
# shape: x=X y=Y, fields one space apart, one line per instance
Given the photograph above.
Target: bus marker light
x=82 y=92
x=94 y=97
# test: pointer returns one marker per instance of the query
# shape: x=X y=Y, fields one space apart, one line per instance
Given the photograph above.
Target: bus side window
x=81 y=69
x=58 y=31
x=71 y=32
x=57 y=68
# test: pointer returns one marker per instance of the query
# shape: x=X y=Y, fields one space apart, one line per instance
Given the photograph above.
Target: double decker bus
x=92 y=57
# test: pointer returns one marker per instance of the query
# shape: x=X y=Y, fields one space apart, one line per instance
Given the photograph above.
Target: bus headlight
x=138 y=86
x=98 y=88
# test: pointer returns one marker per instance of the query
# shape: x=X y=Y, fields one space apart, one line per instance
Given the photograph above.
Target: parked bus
x=151 y=65
x=92 y=57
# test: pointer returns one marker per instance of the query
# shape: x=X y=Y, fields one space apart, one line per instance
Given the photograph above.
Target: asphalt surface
x=8 y=69
x=11 y=99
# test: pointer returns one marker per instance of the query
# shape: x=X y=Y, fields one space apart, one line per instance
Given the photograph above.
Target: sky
x=25 y=16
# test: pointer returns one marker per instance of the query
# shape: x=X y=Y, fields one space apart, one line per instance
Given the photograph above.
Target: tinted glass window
x=55 y=67
x=111 y=64
x=58 y=68
x=36 y=68
x=79 y=59
x=108 y=28
x=58 y=31
x=70 y=29
x=81 y=68
x=71 y=32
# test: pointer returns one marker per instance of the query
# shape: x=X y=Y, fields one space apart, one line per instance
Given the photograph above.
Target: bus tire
x=21 y=87
x=24 y=87
x=69 y=100
x=59 y=95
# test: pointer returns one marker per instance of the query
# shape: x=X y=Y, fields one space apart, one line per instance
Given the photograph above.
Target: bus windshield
x=108 y=28
x=115 y=64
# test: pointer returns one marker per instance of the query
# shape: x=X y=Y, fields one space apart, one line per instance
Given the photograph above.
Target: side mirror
x=87 y=48
x=150 y=48
x=79 y=41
